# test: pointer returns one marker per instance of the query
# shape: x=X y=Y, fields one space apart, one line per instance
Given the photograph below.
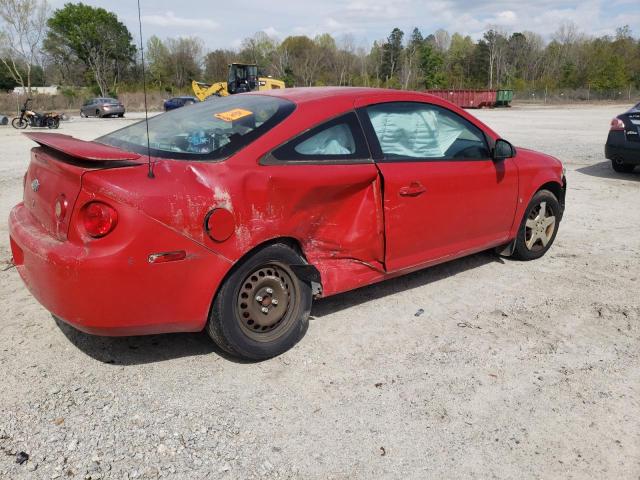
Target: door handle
x=413 y=190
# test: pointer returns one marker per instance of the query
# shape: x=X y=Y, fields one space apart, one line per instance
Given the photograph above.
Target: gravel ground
x=514 y=370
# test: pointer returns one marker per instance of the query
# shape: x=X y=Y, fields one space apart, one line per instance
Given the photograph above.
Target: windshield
x=210 y=130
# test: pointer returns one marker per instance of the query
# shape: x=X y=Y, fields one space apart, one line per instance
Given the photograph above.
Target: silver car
x=102 y=107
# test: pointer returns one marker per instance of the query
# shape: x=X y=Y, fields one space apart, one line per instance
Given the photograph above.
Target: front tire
x=19 y=123
x=539 y=226
x=262 y=308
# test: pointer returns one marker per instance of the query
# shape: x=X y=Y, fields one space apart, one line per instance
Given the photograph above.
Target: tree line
x=83 y=46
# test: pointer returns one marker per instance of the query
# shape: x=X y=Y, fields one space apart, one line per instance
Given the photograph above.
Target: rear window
x=211 y=130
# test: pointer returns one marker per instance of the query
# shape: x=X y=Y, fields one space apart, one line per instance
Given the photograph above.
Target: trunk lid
x=633 y=126
x=54 y=177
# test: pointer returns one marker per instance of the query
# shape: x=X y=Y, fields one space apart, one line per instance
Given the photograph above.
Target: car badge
x=35 y=185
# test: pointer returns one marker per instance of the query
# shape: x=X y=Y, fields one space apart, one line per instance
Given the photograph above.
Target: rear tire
x=539 y=226
x=262 y=308
x=621 y=167
x=82 y=114
x=120 y=115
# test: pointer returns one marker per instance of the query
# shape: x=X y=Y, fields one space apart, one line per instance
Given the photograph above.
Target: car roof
x=314 y=97
x=311 y=94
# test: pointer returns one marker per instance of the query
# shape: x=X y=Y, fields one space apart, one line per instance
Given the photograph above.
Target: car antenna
x=144 y=88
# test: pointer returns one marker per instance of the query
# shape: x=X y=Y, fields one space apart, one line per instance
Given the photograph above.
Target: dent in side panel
x=333 y=211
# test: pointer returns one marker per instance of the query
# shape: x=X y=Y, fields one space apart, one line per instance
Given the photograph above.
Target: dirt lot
x=514 y=370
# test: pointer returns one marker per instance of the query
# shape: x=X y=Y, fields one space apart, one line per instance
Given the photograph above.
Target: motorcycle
x=30 y=118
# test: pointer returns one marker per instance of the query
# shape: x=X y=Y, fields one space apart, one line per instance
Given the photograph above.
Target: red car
x=250 y=206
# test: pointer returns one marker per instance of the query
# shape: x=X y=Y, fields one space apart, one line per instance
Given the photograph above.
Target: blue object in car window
x=198 y=142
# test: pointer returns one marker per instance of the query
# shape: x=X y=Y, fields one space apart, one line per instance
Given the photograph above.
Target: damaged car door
x=444 y=195
x=329 y=188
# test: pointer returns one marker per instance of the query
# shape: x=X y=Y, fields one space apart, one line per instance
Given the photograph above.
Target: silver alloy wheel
x=539 y=227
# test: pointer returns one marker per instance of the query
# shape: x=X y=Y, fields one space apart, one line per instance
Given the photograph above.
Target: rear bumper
x=115 y=290
x=619 y=149
x=113 y=111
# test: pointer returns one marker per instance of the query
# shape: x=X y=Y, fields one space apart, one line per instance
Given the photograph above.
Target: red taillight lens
x=98 y=218
x=617 y=124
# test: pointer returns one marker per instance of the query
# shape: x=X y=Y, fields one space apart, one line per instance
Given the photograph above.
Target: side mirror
x=503 y=150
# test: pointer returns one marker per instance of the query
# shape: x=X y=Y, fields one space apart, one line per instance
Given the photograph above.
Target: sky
x=226 y=24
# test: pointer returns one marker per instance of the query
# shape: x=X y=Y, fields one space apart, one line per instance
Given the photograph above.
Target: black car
x=177 y=102
x=623 y=143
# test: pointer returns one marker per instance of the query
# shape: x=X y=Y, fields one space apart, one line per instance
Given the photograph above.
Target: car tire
x=82 y=114
x=537 y=230
x=262 y=308
x=621 y=167
x=98 y=114
x=120 y=115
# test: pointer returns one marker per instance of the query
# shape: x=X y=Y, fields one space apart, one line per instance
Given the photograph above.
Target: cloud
x=507 y=17
x=169 y=19
x=272 y=32
x=369 y=20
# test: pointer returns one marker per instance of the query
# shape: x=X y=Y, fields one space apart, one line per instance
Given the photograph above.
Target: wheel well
x=291 y=242
x=558 y=190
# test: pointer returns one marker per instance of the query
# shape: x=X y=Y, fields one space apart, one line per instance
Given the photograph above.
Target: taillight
x=98 y=218
x=617 y=124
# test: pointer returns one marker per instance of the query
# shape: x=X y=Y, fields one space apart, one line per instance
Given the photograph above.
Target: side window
x=337 y=139
x=411 y=130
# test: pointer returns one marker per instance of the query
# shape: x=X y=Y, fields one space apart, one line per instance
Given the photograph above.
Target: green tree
x=479 y=65
x=410 y=66
x=94 y=37
x=158 y=60
x=391 y=55
x=607 y=69
x=7 y=81
x=299 y=56
x=216 y=65
x=431 y=63
x=458 y=62
x=185 y=57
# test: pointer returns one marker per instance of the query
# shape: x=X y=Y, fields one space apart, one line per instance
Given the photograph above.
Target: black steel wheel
x=262 y=308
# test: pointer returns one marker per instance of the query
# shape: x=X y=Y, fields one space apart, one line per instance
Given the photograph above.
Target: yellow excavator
x=243 y=77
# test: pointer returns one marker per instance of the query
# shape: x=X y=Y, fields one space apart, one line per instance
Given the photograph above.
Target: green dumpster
x=504 y=98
